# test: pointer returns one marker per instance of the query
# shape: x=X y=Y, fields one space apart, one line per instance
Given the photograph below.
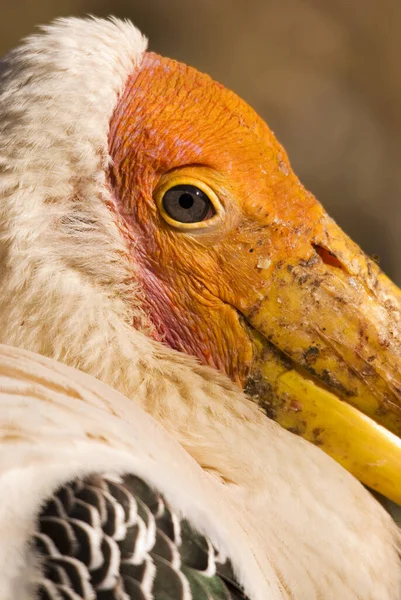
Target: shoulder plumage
x=115 y=537
x=98 y=483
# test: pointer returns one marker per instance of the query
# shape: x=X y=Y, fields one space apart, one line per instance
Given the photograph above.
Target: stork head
x=140 y=195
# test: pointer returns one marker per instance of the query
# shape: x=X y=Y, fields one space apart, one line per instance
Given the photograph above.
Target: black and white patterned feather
x=114 y=538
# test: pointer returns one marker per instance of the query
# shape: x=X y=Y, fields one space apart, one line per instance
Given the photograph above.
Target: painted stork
x=154 y=236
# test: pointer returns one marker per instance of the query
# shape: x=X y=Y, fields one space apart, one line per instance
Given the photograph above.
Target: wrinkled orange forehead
x=175 y=102
x=178 y=116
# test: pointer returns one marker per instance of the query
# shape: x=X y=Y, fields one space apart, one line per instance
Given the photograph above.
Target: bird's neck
x=209 y=416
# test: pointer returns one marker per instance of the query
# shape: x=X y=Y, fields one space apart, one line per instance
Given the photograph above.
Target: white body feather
x=297 y=524
x=57 y=423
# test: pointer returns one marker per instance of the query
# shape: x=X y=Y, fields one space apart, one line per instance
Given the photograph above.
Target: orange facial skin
x=172 y=118
x=271 y=258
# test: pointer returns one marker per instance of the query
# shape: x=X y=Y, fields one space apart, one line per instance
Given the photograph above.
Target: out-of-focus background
x=324 y=75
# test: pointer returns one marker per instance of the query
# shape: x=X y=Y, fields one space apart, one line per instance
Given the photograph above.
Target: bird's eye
x=187 y=204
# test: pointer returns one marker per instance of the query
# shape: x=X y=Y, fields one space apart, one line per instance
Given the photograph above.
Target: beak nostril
x=328 y=257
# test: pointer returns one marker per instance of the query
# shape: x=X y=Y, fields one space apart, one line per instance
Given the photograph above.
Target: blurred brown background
x=323 y=73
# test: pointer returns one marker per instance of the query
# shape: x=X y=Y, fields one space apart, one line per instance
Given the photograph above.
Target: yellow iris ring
x=181 y=180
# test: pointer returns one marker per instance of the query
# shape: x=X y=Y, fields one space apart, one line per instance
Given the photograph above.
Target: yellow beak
x=328 y=366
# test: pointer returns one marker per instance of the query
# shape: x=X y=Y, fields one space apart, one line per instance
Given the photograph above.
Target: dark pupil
x=186 y=201
x=187 y=204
